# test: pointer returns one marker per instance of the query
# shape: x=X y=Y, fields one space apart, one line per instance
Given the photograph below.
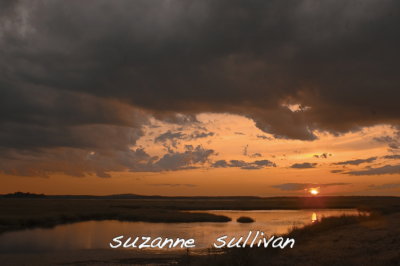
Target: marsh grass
x=344 y=240
x=326 y=224
x=20 y=213
x=17 y=214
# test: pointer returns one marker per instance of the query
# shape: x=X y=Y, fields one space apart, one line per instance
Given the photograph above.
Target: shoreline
x=337 y=233
x=332 y=241
x=27 y=213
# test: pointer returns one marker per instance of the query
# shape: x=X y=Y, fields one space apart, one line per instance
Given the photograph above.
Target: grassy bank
x=17 y=214
x=20 y=213
x=346 y=240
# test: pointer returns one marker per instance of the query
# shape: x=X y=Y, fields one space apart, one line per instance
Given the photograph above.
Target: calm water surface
x=98 y=234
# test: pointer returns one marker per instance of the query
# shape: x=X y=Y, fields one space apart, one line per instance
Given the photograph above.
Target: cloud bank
x=85 y=76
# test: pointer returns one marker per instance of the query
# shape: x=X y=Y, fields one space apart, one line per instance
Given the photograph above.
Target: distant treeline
x=116 y=196
x=23 y=195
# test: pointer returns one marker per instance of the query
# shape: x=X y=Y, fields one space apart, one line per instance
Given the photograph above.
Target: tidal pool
x=98 y=234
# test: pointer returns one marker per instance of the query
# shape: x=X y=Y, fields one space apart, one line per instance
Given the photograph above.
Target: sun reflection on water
x=314 y=217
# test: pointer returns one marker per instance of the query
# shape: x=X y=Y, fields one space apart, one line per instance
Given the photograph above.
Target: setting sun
x=314 y=191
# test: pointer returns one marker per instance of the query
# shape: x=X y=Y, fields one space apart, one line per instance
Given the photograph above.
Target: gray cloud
x=258 y=164
x=173 y=161
x=385 y=186
x=264 y=137
x=335 y=171
x=392 y=157
x=357 y=161
x=303 y=186
x=174 y=137
x=169 y=136
x=252 y=155
x=245 y=150
x=80 y=162
x=71 y=161
x=322 y=155
x=393 y=142
x=303 y=165
x=200 y=135
x=220 y=164
x=387 y=169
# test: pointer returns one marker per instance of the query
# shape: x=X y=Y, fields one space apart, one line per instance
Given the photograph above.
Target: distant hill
x=23 y=195
x=115 y=196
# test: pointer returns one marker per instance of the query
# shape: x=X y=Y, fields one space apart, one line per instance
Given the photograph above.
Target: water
x=98 y=234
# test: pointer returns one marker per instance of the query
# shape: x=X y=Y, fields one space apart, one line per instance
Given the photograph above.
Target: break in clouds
x=80 y=79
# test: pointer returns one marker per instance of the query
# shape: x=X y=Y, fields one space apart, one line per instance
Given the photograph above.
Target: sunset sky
x=261 y=98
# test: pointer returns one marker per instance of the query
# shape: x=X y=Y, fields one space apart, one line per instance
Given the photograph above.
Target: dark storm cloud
x=357 y=161
x=43 y=117
x=303 y=186
x=303 y=165
x=67 y=65
x=255 y=165
x=233 y=56
x=383 y=170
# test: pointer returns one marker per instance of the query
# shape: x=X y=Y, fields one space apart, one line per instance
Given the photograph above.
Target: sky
x=260 y=98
